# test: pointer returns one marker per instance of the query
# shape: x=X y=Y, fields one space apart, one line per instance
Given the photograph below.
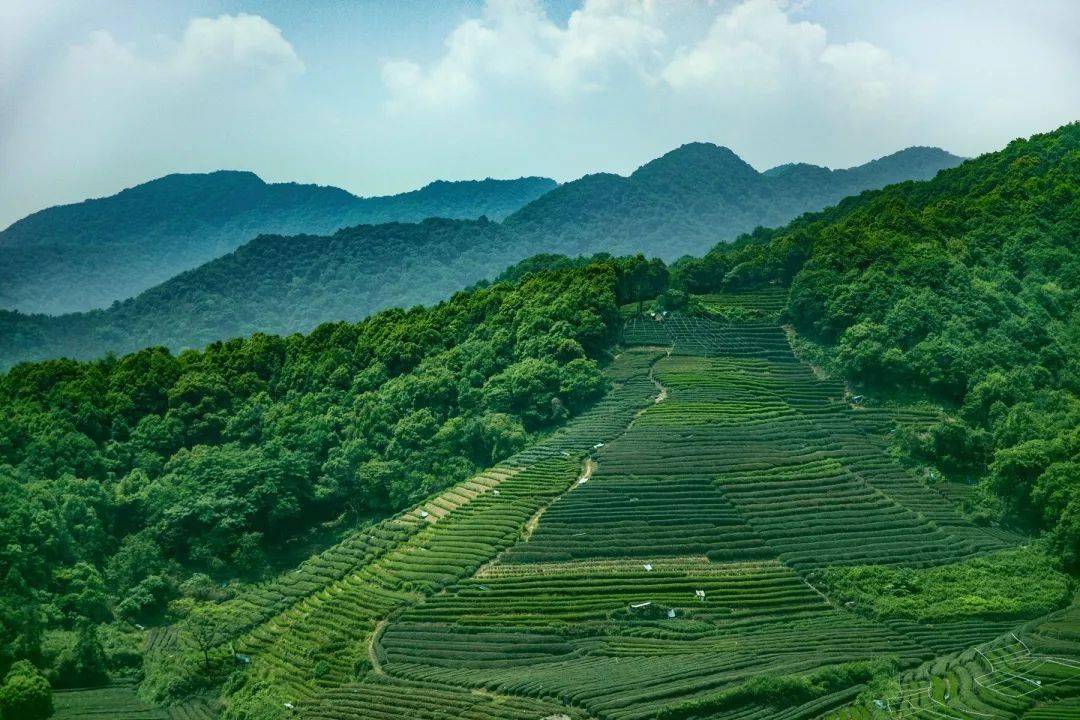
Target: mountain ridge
x=680 y=201
x=90 y=254
x=684 y=201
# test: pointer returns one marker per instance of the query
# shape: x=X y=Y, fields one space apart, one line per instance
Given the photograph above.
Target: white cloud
x=758 y=59
x=752 y=51
x=246 y=42
x=515 y=47
x=234 y=50
x=170 y=103
x=751 y=74
x=755 y=47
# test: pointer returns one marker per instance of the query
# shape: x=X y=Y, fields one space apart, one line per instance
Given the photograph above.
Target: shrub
x=25 y=694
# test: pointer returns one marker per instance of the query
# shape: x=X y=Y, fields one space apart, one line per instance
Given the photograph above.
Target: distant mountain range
x=681 y=203
x=276 y=284
x=685 y=201
x=87 y=255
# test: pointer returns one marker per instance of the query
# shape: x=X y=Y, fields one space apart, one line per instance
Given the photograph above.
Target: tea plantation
x=724 y=535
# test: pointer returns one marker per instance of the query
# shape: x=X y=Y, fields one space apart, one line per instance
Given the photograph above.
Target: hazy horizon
x=379 y=98
x=521 y=176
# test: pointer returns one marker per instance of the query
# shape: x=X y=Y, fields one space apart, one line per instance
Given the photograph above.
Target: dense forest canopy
x=90 y=254
x=682 y=202
x=963 y=289
x=128 y=481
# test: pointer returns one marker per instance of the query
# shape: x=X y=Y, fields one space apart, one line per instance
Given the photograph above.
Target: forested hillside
x=684 y=201
x=831 y=473
x=90 y=254
x=276 y=284
x=692 y=197
x=963 y=289
x=128 y=483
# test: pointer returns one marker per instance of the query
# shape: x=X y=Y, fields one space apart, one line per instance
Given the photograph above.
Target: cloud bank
x=753 y=59
x=173 y=103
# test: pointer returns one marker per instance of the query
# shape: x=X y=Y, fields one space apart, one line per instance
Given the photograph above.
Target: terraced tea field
x=659 y=557
x=121 y=701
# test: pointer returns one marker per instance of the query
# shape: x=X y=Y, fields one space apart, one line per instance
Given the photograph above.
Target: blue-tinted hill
x=90 y=254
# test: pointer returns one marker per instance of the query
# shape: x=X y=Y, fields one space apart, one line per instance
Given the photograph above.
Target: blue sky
x=380 y=97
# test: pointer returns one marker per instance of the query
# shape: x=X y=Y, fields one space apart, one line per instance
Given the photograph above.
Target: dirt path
x=661 y=391
x=661 y=396
x=588 y=466
x=527 y=530
x=372 y=655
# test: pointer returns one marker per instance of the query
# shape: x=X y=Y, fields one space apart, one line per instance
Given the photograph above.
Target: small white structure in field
x=496 y=492
x=424 y=513
x=598 y=445
x=648 y=567
x=671 y=612
x=582 y=481
x=290 y=706
x=638 y=606
x=700 y=595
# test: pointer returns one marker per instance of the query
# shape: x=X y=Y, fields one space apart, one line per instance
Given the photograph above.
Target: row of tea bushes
x=320 y=640
x=1032 y=673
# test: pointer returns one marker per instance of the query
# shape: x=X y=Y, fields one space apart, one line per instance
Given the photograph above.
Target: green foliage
x=964 y=289
x=123 y=477
x=206 y=627
x=25 y=694
x=275 y=284
x=779 y=691
x=1009 y=584
x=83 y=663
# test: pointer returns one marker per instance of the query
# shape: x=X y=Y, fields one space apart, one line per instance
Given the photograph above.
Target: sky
x=380 y=97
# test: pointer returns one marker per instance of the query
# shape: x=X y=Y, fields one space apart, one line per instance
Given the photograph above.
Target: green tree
x=25 y=694
x=84 y=663
x=207 y=627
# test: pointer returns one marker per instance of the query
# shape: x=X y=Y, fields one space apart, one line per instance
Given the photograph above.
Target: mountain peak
x=215 y=181
x=913 y=163
x=696 y=157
